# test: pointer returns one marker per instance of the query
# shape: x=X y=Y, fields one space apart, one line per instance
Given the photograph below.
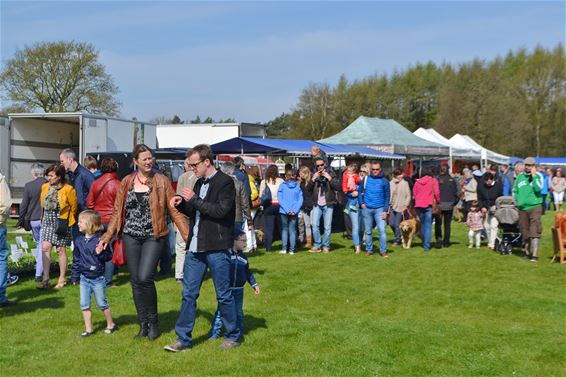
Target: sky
x=251 y=60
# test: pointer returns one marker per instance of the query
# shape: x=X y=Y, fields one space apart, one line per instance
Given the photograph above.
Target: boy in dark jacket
x=239 y=274
x=90 y=265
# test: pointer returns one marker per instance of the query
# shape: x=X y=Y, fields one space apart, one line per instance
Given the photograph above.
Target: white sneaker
x=291 y=253
x=283 y=252
x=470 y=246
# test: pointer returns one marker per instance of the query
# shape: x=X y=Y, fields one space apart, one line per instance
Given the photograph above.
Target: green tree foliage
x=514 y=104
x=57 y=77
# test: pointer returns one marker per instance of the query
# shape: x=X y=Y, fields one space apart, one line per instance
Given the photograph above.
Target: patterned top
x=138 y=215
x=475 y=220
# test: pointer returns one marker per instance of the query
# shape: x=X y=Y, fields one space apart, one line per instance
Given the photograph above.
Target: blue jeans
x=372 y=215
x=96 y=285
x=3 y=263
x=36 y=231
x=326 y=213
x=288 y=232
x=355 y=219
x=238 y=294
x=425 y=215
x=196 y=265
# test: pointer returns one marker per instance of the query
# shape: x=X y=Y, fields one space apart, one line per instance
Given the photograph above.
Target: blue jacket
x=374 y=192
x=85 y=259
x=290 y=197
x=240 y=271
x=544 y=190
x=81 y=179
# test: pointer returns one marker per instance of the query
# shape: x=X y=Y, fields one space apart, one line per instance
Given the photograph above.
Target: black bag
x=27 y=225
x=266 y=197
x=62 y=226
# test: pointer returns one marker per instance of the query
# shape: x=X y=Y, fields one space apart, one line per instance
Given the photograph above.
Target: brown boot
x=308 y=245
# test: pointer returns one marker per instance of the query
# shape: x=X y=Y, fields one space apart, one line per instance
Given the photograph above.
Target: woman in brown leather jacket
x=146 y=196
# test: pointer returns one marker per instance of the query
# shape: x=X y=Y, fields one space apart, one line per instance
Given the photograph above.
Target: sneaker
x=326 y=249
x=229 y=344
x=86 y=334
x=179 y=281
x=12 y=279
x=291 y=253
x=283 y=252
x=314 y=249
x=110 y=330
x=470 y=246
x=534 y=259
x=176 y=347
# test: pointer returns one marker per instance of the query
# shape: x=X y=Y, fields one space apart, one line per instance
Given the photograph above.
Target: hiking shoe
x=384 y=255
x=229 y=344
x=314 y=249
x=176 y=347
x=369 y=253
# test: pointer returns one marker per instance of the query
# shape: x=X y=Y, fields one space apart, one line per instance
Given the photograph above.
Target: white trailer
x=26 y=138
x=189 y=135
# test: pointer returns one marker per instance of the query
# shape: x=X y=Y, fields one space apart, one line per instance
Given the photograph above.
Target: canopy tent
x=464 y=141
x=251 y=145
x=457 y=151
x=386 y=135
x=545 y=161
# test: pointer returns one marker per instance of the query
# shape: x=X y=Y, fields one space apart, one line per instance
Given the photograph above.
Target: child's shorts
x=88 y=286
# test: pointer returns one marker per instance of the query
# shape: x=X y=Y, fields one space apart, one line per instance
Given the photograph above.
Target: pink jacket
x=422 y=192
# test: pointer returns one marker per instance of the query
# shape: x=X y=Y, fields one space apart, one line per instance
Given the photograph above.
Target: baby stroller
x=508 y=235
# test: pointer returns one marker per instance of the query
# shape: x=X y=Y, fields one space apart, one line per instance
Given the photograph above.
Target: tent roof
x=459 y=150
x=376 y=131
x=251 y=145
x=486 y=154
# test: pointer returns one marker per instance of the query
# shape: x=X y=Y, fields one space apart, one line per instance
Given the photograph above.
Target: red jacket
x=345 y=178
x=422 y=192
x=102 y=195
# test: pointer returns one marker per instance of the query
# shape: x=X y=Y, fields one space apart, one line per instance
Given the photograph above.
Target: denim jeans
x=425 y=215
x=372 y=215
x=238 y=294
x=326 y=213
x=96 y=285
x=355 y=219
x=395 y=219
x=36 y=231
x=196 y=265
x=288 y=232
x=3 y=263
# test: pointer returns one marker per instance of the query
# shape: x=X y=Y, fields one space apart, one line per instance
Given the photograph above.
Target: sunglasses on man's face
x=375 y=169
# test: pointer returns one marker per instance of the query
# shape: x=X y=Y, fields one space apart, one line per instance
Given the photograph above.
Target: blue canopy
x=252 y=145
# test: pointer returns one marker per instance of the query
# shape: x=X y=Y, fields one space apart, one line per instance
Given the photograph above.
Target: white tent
x=464 y=141
x=457 y=151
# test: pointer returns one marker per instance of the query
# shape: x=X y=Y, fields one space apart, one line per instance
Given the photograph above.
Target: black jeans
x=270 y=216
x=142 y=256
x=445 y=217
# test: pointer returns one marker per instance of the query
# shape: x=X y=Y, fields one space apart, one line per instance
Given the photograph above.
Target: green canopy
x=386 y=135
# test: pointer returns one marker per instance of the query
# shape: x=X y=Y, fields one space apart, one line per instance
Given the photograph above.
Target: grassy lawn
x=450 y=312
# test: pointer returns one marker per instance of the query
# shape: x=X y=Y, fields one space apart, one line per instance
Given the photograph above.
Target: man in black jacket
x=211 y=211
x=30 y=212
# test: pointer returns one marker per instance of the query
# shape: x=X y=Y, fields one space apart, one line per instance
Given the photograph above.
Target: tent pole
x=450 y=159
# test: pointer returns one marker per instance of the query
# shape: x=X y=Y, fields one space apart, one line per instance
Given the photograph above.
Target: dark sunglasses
x=319 y=165
x=375 y=169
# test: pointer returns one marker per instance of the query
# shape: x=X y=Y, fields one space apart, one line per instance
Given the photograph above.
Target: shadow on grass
x=30 y=293
x=23 y=307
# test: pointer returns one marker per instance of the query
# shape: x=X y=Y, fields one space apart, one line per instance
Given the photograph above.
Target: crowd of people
x=211 y=221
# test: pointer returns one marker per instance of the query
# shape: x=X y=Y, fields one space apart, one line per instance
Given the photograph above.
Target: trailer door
x=93 y=136
x=4 y=145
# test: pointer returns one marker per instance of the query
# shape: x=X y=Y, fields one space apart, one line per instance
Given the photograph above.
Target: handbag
x=118 y=254
x=62 y=227
x=436 y=210
x=266 y=196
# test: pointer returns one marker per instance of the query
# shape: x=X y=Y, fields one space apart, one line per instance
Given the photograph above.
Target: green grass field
x=450 y=312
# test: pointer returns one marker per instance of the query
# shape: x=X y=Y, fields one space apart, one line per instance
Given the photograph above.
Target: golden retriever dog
x=409 y=229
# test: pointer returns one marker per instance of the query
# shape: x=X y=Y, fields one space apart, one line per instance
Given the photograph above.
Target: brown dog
x=409 y=228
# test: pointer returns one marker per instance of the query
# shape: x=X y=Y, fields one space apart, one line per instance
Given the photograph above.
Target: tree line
x=514 y=104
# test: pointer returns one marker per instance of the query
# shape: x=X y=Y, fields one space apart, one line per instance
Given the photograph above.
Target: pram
x=508 y=234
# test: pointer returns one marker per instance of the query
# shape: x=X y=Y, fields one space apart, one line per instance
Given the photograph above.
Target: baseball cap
x=530 y=161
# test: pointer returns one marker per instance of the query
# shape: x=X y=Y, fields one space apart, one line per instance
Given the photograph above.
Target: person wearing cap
x=527 y=193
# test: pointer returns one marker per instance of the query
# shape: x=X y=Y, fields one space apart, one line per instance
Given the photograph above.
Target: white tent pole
x=450 y=158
